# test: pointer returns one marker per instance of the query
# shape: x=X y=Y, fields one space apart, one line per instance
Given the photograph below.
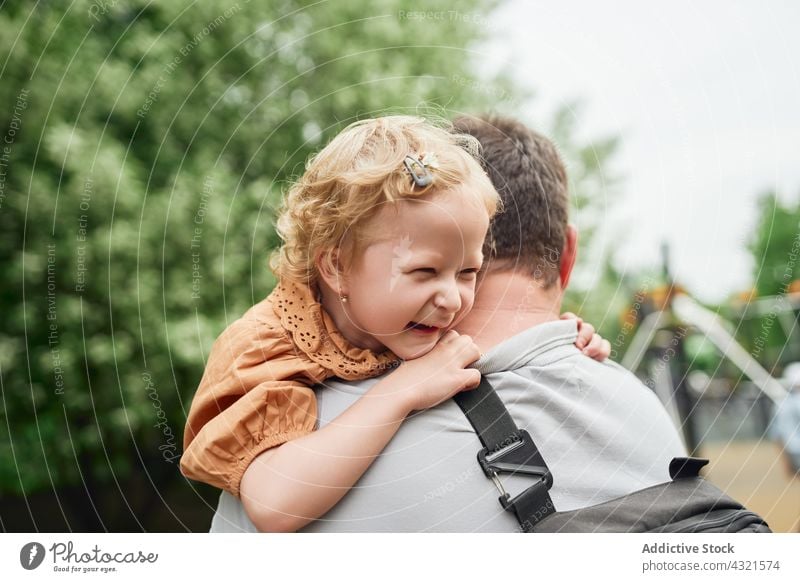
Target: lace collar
x=314 y=333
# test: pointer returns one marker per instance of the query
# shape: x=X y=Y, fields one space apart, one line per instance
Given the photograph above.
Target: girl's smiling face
x=416 y=277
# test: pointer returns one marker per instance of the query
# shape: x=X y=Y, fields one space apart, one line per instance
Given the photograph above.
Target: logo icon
x=31 y=555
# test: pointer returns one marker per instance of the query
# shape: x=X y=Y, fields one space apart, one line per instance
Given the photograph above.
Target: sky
x=706 y=99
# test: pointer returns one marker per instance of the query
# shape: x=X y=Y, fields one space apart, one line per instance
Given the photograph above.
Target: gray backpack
x=686 y=503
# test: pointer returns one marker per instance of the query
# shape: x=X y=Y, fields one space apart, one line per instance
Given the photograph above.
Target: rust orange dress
x=256 y=390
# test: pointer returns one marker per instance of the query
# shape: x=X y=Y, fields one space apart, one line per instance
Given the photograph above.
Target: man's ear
x=331 y=270
x=569 y=255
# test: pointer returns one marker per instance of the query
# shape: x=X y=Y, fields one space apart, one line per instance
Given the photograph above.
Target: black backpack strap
x=508 y=449
x=487 y=414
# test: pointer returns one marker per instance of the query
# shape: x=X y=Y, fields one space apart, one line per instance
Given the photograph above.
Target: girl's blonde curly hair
x=346 y=183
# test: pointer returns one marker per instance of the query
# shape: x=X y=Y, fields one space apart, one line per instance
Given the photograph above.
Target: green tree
x=774 y=245
x=768 y=319
x=598 y=291
x=145 y=148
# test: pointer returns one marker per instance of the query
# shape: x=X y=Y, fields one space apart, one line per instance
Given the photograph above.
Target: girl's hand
x=440 y=373
x=592 y=344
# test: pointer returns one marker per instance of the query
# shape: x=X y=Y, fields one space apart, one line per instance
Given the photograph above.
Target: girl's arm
x=289 y=486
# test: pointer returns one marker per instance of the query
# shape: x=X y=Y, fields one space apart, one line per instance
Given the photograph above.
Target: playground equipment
x=709 y=323
x=726 y=425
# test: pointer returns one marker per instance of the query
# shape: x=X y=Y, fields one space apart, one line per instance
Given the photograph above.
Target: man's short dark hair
x=525 y=168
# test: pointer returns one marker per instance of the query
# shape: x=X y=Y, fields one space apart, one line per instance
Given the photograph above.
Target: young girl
x=382 y=242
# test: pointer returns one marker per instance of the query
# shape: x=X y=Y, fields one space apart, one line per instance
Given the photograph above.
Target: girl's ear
x=331 y=270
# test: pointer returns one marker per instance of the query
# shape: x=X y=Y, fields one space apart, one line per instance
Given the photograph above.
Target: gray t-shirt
x=601 y=431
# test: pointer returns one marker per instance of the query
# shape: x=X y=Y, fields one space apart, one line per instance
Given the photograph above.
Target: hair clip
x=419 y=168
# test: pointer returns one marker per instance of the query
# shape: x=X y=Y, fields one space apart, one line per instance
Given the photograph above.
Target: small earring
x=343 y=298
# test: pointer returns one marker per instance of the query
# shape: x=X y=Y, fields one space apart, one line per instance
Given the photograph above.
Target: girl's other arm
x=592 y=344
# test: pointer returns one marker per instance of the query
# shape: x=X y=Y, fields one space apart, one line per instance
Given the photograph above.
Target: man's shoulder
x=567 y=366
x=609 y=366
x=548 y=350
x=607 y=372
x=538 y=345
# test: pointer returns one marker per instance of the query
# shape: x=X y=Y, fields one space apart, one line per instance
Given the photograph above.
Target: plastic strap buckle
x=519 y=455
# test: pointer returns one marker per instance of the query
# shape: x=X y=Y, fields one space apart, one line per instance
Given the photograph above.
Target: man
x=602 y=433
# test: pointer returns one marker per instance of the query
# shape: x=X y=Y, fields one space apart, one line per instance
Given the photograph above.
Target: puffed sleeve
x=255 y=394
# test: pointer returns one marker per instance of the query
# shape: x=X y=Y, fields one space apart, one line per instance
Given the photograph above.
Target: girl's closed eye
x=430 y=271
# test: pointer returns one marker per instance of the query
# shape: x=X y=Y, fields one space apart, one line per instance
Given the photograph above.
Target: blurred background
x=145 y=147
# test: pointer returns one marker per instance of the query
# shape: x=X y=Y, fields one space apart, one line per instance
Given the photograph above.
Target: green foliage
x=593 y=186
x=593 y=191
x=767 y=318
x=775 y=245
x=149 y=145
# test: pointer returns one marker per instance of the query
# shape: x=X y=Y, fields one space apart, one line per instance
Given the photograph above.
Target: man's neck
x=506 y=304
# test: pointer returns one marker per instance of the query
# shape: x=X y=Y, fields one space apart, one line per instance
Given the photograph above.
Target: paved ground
x=754 y=473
